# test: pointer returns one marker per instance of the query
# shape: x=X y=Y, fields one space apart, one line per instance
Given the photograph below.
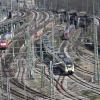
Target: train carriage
x=3 y=44
x=73 y=17
x=66 y=64
x=5 y=38
x=68 y=32
x=64 y=61
x=83 y=19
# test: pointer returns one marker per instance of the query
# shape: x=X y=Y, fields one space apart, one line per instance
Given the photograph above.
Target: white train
x=64 y=61
x=67 y=63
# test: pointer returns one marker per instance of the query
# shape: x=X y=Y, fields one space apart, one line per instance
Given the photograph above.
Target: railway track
x=18 y=94
x=92 y=87
x=16 y=19
x=28 y=90
x=59 y=86
x=62 y=90
x=24 y=48
x=12 y=90
x=87 y=57
x=88 y=85
x=77 y=67
x=18 y=42
x=71 y=44
x=10 y=57
x=65 y=92
x=82 y=55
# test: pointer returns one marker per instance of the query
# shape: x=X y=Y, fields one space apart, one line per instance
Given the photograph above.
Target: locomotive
x=73 y=17
x=67 y=63
x=3 y=44
x=80 y=19
x=68 y=32
x=84 y=20
x=64 y=61
x=5 y=38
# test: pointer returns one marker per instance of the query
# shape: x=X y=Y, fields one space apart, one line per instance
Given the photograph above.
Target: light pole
x=96 y=64
x=52 y=62
x=42 y=66
x=12 y=32
x=8 y=88
x=42 y=75
x=1 y=77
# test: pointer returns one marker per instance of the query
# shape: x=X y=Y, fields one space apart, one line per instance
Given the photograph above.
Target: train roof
x=67 y=61
x=72 y=12
x=83 y=13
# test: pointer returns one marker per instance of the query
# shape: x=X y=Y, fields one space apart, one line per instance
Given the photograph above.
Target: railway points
x=45 y=59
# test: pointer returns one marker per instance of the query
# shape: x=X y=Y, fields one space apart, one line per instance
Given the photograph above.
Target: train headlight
x=3 y=44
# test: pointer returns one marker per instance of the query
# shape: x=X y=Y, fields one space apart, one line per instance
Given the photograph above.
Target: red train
x=3 y=44
x=68 y=32
x=5 y=40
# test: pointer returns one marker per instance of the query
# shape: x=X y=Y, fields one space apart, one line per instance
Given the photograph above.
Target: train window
x=61 y=55
x=69 y=65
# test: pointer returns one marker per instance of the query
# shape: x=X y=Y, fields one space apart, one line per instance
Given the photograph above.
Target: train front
x=69 y=67
x=5 y=40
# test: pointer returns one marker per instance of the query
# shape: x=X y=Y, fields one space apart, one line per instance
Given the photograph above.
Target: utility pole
x=25 y=92
x=96 y=58
x=52 y=62
x=42 y=66
x=1 y=76
x=32 y=4
x=87 y=6
x=51 y=81
x=5 y=84
x=24 y=4
x=41 y=55
x=29 y=54
x=96 y=61
x=8 y=88
x=17 y=8
x=42 y=76
x=67 y=5
x=1 y=68
x=12 y=31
